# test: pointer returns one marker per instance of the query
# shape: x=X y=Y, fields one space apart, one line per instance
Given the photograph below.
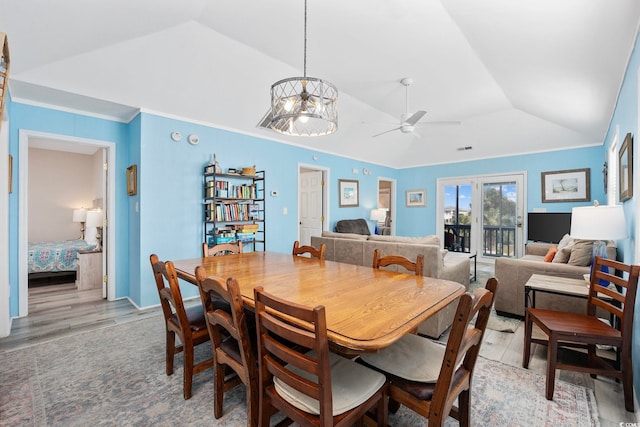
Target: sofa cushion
x=551 y=253
x=344 y=235
x=562 y=256
x=566 y=241
x=581 y=253
x=357 y=226
x=425 y=240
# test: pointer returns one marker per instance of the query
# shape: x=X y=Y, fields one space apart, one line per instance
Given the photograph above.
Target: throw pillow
x=565 y=242
x=551 y=253
x=581 y=253
x=562 y=256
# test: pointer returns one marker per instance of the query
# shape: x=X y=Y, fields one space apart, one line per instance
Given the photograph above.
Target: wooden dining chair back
x=609 y=291
x=187 y=323
x=231 y=342
x=417 y=267
x=301 y=378
x=315 y=253
x=221 y=249
x=429 y=392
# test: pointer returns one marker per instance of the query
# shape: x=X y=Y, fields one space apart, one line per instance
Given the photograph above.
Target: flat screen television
x=548 y=226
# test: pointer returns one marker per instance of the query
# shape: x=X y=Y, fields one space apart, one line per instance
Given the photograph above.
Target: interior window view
x=229 y=213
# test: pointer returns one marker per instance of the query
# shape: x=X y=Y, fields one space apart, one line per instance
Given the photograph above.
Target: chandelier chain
x=305 y=39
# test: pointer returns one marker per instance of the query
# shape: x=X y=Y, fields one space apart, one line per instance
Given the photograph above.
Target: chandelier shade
x=304 y=106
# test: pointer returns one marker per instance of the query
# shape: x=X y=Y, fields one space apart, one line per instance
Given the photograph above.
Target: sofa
x=569 y=258
x=358 y=249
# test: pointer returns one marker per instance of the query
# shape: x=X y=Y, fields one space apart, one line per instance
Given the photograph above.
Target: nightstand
x=89 y=270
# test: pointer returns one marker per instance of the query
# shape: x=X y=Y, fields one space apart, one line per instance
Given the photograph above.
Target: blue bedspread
x=56 y=256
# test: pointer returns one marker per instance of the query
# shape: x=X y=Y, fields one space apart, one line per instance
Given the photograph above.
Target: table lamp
x=377 y=215
x=599 y=223
x=80 y=215
x=94 y=223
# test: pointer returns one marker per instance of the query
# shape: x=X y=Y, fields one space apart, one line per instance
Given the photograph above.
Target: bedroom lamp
x=599 y=223
x=304 y=106
x=80 y=215
x=94 y=223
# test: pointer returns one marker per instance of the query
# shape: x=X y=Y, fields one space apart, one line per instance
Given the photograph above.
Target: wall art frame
x=132 y=180
x=625 y=169
x=571 y=185
x=349 y=193
x=416 y=198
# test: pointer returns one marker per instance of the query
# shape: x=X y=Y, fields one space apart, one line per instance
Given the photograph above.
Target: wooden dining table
x=367 y=309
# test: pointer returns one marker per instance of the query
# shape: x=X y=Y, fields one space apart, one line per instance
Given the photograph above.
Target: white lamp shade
x=94 y=218
x=79 y=215
x=598 y=223
x=378 y=215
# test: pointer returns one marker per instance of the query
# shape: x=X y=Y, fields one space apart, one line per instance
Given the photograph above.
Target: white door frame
x=23 y=173
x=5 y=286
x=392 y=201
x=325 y=193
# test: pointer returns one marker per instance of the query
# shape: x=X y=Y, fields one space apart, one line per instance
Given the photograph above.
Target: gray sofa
x=512 y=274
x=358 y=249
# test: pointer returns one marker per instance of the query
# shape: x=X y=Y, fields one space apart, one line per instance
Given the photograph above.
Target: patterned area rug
x=116 y=377
x=496 y=321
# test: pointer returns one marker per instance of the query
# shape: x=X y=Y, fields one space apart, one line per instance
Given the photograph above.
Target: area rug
x=496 y=322
x=116 y=377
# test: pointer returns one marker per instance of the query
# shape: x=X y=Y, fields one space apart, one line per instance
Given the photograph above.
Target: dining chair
x=301 y=378
x=613 y=294
x=316 y=253
x=231 y=341
x=187 y=323
x=221 y=249
x=417 y=267
x=430 y=376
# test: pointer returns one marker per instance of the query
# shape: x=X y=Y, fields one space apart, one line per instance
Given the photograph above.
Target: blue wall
x=625 y=119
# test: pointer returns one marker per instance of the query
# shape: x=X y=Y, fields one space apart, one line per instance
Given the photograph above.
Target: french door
x=482 y=215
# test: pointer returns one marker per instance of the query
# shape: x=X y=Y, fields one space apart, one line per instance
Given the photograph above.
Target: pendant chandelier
x=304 y=106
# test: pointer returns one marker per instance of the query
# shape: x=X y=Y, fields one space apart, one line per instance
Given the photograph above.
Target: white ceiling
x=522 y=76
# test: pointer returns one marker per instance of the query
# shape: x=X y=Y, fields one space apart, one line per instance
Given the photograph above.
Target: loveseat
x=572 y=259
x=358 y=249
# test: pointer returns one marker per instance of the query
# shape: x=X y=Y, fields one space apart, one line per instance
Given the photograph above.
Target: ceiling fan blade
x=386 y=131
x=442 y=123
x=413 y=119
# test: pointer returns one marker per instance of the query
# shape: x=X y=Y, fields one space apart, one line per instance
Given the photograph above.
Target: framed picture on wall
x=625 y=169
x=132 y=180
x=348 y=190
x=571 y=185
x=416 y=198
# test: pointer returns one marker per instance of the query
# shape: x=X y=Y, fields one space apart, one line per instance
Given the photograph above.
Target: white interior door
x=310 y=197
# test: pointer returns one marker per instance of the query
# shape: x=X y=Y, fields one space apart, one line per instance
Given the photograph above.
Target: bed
x=48 y=260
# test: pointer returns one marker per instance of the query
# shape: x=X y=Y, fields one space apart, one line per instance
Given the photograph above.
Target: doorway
x=61 y=143
x=387 y=202
x=312 y=202
x=482 y=215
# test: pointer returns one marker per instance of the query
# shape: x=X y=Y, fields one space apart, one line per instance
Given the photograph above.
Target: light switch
x=284 y=211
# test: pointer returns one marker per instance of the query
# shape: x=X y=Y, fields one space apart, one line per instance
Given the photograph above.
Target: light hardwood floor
x=64 y=311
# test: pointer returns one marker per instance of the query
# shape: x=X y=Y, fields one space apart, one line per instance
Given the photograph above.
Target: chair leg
x=252 y=402
x=171 y=350
x=526 y=351
x=218 y=383
x=464 y=408
x=627 y=384
x=188 y=369
x=552 y=356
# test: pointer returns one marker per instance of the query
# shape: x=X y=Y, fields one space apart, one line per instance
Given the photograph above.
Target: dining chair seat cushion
x=195 y=315
x=420 y=390
x=412 y=357
x=351 y=385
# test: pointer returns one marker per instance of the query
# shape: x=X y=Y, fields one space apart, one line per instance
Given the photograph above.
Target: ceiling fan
x=409 y=121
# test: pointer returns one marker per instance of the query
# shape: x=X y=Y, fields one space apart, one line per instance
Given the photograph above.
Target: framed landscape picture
x=416 y=198
x=625 y=169
x=571 y=185
x=348 y=190
x=132 y=180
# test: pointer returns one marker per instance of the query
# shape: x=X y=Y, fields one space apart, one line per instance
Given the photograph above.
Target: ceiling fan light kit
x=304 y=106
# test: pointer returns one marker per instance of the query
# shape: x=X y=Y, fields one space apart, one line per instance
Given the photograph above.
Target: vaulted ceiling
x=521 y=76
